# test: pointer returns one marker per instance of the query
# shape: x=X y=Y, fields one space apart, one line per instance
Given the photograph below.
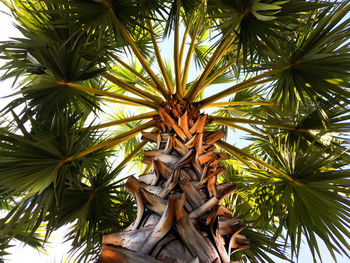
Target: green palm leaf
x=100 y=205
x=314 y=202
x=33 y=167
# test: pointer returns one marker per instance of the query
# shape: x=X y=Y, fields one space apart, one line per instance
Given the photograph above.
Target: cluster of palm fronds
x=286 y=64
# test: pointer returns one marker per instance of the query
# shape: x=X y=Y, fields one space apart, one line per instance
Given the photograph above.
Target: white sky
x=57 y=250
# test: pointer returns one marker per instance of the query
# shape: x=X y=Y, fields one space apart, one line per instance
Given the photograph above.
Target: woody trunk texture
x=180 y=216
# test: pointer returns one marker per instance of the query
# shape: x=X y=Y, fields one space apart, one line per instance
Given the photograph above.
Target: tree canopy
x=90 y=76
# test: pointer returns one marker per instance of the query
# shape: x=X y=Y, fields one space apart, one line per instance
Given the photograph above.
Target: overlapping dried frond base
x=180 y=217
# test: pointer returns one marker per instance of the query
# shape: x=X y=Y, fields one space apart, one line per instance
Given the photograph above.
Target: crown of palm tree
x=274 y=72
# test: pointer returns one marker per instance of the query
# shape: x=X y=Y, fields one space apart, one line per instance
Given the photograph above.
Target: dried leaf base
x=180 y=218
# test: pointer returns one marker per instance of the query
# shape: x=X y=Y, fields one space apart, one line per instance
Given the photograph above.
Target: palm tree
x=274 y=72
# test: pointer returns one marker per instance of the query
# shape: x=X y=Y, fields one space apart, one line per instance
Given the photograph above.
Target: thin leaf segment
x=179 y=202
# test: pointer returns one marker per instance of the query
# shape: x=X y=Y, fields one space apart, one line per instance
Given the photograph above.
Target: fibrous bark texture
x=180 y=217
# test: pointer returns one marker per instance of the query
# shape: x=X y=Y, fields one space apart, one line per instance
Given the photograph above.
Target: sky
x=58 y=250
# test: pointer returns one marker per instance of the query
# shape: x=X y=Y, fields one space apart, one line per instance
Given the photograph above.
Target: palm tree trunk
x=180 y=217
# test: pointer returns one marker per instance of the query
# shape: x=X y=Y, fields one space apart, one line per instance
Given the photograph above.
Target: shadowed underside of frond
x=180 y=217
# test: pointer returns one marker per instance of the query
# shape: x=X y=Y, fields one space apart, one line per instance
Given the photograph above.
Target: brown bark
x=180 y=218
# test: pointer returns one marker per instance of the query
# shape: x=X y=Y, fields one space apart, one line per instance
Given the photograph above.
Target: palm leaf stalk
x=110 y=142
x=148 y=115
x=190 y=50
x=159 y=58
x=219 y=52
x=108 y=94
x=137 y=52
x=131 y=88
x=121 y=62
x=285 y=67
x=177 y=64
